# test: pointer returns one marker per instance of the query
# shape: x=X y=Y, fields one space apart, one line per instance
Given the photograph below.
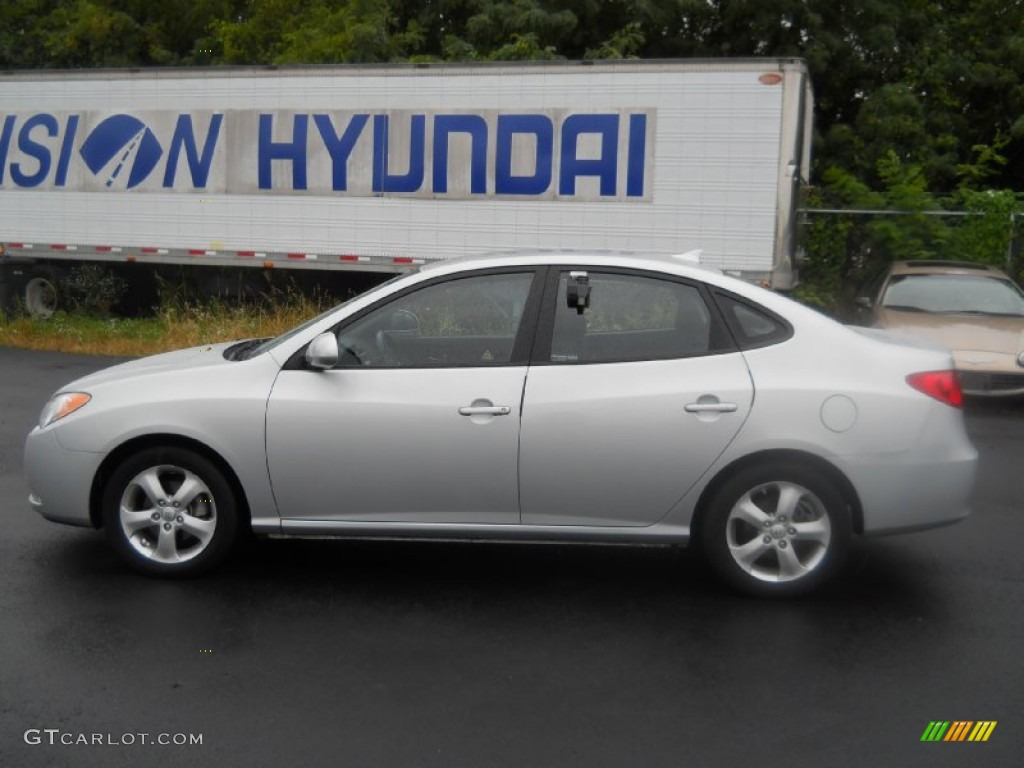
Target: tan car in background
x=975 y=310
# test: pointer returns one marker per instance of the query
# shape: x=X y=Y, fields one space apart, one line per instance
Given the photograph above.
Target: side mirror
x=322 y=352
x=864 y=302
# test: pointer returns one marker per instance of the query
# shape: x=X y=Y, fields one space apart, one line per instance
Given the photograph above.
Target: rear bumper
x=903 y=493
x=991 y=384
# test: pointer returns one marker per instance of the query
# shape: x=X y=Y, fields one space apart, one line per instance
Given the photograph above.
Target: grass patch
x=177 y=324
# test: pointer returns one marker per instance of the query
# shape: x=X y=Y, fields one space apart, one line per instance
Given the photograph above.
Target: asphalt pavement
x=386 y=655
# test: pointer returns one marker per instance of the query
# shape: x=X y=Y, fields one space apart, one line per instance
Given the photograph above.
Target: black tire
x=778 y=529
x=193 y=529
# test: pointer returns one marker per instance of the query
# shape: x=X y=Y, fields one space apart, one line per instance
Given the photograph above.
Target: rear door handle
x=485 y=410
x=711 y=407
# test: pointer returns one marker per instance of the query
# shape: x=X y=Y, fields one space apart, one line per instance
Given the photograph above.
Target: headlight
x=61 y=405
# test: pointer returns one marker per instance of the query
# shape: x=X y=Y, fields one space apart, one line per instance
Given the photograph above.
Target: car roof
x=944 y=267
x=679 y=263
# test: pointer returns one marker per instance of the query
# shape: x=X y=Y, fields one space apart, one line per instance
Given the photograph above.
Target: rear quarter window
x=753 y=326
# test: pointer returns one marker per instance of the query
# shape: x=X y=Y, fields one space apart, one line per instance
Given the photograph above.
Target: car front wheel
x=170 y=512
x=778 y=529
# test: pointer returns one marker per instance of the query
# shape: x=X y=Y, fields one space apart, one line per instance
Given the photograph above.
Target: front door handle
x=485 y=410
x=711 y=407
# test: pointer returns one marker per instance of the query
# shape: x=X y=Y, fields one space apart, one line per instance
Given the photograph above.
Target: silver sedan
x=583 y=397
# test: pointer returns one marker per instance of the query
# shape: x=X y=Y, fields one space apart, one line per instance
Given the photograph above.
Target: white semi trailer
x=346 y=170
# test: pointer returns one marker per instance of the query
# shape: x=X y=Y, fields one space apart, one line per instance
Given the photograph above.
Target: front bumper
x=59 y=480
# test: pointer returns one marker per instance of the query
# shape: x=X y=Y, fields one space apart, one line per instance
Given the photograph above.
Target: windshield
x=954 y=294
x=246 y=352
x=259 y=346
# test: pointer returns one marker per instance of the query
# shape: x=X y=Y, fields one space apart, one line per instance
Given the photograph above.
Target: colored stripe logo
x=958 y=730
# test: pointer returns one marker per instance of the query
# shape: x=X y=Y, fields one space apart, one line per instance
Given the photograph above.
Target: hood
x=194 y=357
x=999 y=334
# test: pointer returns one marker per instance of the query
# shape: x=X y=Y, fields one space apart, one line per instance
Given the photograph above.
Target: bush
x=92 y=290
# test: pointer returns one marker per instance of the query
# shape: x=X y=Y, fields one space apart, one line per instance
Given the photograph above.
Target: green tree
x=92 y=34
x=108 y=33
x=21 y=38
x=511 y=30
x=315 y=32
x=179 y=31
x=355 y=31
x=465 y=30
x=256 y=34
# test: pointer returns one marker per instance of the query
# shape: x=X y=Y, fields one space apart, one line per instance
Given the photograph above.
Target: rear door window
x=629 y=317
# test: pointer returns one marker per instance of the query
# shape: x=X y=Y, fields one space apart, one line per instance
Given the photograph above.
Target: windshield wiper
x=241 y=350
x=981 y=312
x=903 y=308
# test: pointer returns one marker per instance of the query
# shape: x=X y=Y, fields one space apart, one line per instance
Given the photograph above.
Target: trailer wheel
x=40 y=294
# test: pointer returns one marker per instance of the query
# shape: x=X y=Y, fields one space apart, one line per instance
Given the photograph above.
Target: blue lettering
x=476 y=127
x=505 y=183
x=635 y=158
x=5 y=143
x=34 y=149
x=508 y=154
x=185 y=138
x=411 y=181
x=65 y=150
x=572 y=166
x=293 y=151
x=340 y=147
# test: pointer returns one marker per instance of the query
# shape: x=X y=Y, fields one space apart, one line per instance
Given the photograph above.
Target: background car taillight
x=944 y=386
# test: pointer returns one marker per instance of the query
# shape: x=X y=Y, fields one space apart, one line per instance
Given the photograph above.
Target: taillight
x=944 y=386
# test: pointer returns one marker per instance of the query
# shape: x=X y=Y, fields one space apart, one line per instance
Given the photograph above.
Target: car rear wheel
x=777 y=529
x=170 y=512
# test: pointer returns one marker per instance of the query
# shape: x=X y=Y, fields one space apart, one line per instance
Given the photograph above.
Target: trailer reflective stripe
x=212 y=257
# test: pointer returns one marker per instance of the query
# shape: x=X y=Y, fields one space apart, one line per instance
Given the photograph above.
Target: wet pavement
x=407 y=654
